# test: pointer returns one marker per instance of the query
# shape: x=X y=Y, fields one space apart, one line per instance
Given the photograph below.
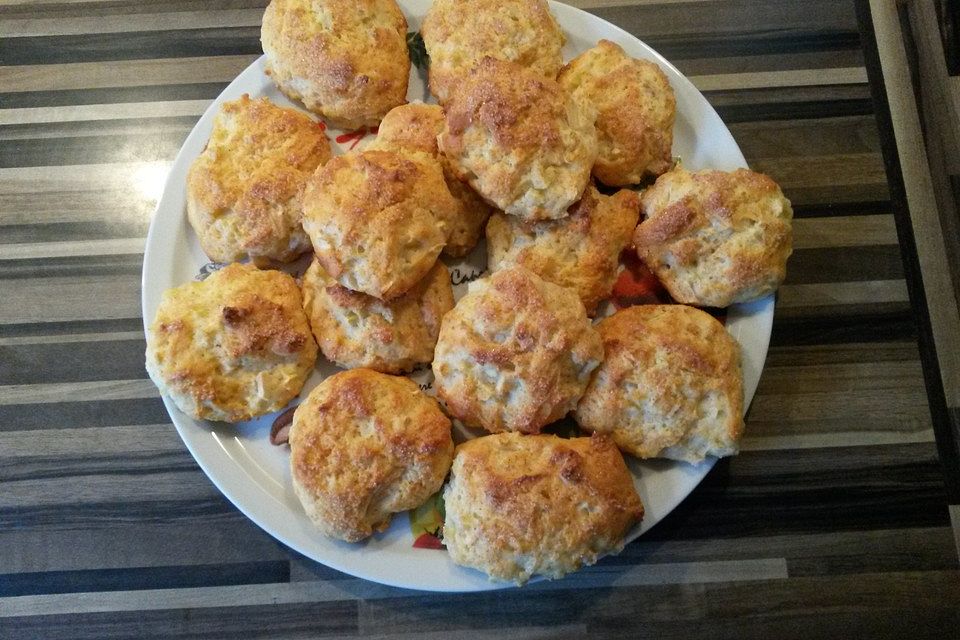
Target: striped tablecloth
x=833 y=522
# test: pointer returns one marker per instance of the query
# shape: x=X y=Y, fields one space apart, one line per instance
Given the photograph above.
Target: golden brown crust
x=363 y=446
x=580 y=252
x=670 y=384
x=377 y=220
x=346 y=60
x=354 y=329
x=458 y=34
x=412 y=129
x=715 y=238
x=232 y=347
x=521 y=142
x=635 y=111
x=518 y=505
x=244 y=191
x=515 y=353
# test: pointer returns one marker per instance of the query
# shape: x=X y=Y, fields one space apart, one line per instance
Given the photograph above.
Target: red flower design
x=637 y=284
x=356 y=136
x=428 y=541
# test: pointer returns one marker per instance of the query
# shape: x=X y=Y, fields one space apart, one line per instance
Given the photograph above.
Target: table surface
x=833 y=520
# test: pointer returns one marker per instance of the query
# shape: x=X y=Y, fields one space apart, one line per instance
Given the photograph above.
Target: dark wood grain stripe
x=76 y=231
x=853 y=488
x=896 y=324
x=756 y=494
x=58 y=9
x=846 y=310
x=72 y=362
x=133 y=543
x=113 y=325
x=828 y=94
x=809 y=109
x=111 y=95
x=868 y=549
x=37 y=468
x=72 y=266
x=104 y=47
x=821 y=210
x=650 y=20
x=170 y=577
x=303 y=620
x=93 y=514
x=849 y=264
x=88 y=413
x=809 y=137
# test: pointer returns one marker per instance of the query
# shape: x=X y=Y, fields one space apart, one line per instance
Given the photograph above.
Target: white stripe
x=577 y=631
x=69 y=298
x=955 y=521
x=673 y=573
x=354 y=589
x=77 y=391
x=122 y=73
x=785 y=78
x=74 y=337
x=91 y=112
x=82 y=441
x=120 y=23
x=837 y=439
x=830 y=293
x=113 y=247
x=84 y=177
x=844 y=231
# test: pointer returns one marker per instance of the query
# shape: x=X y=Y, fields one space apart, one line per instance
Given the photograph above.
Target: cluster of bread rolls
x=546 y=160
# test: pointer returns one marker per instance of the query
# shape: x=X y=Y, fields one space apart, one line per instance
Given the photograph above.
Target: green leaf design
x=428 y=517
x=418 y=51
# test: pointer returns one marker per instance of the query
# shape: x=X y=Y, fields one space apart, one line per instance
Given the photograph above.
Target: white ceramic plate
x=255 y=475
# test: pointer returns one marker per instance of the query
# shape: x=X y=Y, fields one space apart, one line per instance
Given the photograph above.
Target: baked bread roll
x=244 y=192
x=458 y=34
x=515 y=353
x=232 y=347
x=354 y=329
x=635 y=107
x=412 y=129
x=715 y=238
x=522 y=142
x=363 y=446
x=345 y=60
x=670 y=385
x=377 y=220
x=580 y=252
x=518 y=506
